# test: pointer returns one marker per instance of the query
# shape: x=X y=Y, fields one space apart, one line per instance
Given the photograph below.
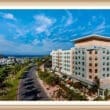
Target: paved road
x=30 y=88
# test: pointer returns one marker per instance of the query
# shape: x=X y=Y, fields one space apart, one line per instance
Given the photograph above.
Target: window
x=103 y=63
x=82 y=52
x=96 y=64
x=107 y=63
x=96 y=52
x=90 y=64
x=79 y=73
x=90 y=52
x=107 y=75
x=90 y=70
x=82 y=75
x=82 y=58
x=107 y=52
x=95 y=58
x=76 y=73
x=103 y=75
x=82 y=69
x=103 y=51
x=103 y=69
x=95 y=77
x=107 y=69
x=96 y=70
x=107 y=58
x=82 y=63
x=103 y=57
x=79 y=62
x=90 y=58
x=90 y=77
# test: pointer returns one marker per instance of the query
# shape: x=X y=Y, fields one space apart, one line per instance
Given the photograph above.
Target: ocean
x=24 y=56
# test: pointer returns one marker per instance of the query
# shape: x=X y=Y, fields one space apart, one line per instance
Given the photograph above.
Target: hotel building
x=62 y=61
x=88 y=60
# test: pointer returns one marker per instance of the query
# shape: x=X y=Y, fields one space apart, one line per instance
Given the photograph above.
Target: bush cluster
x=49 y=78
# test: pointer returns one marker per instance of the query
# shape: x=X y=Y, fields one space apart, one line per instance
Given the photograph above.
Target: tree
x=50 y=80
x=106 y=94
x=96 y=84
x=59 y=93
x=98 y=99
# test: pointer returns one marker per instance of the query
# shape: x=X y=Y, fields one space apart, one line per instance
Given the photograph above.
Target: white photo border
x=54 y=103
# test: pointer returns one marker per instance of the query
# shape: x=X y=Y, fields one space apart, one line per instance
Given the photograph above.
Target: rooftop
x=92 y=37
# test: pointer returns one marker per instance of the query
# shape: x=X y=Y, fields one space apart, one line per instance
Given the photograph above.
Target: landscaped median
x=11 y=84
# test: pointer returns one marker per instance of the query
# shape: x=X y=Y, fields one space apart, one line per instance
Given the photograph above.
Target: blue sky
x=37 y=32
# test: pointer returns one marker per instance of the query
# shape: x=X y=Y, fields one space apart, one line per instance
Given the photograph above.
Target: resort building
x=67 y=62
x=62 y=61
x=56 y=60
x=87 y=61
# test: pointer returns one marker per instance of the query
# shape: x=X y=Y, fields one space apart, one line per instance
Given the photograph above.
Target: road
x=30 y=88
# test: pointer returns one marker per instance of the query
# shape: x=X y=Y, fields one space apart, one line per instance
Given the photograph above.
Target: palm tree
x=96 y=84
x=106 y=94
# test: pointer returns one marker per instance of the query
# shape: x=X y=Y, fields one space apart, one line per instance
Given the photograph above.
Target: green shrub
x=98 y=99
x=49 y=78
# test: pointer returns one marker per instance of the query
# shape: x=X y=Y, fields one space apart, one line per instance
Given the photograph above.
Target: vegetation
x=48 y=78
x=96 y=84
x=98 y=99
x=63 y=91
x=71 y=95
x=106 y=94
x=9 y=80
x=43 y=60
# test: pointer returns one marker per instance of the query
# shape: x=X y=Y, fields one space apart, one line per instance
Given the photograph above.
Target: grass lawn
x=12 y=83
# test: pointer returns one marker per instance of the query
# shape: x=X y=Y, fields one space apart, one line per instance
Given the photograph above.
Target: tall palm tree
x=96 y=84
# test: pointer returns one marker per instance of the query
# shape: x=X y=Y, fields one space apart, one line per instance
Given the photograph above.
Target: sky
x=38 y=32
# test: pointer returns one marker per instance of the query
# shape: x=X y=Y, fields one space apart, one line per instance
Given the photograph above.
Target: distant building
x=11 y=60
x=87 y=61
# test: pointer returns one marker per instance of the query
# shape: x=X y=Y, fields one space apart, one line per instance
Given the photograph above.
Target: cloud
x=11 y=47
x=48 y=45
x=70 y=19
x=19 y=30
x=9 y=16
x=35 y=42
x=93 y=20
x=44 y=33
x=96 y=25
x=43 y=23
x=101 y=25
x=6 y=46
